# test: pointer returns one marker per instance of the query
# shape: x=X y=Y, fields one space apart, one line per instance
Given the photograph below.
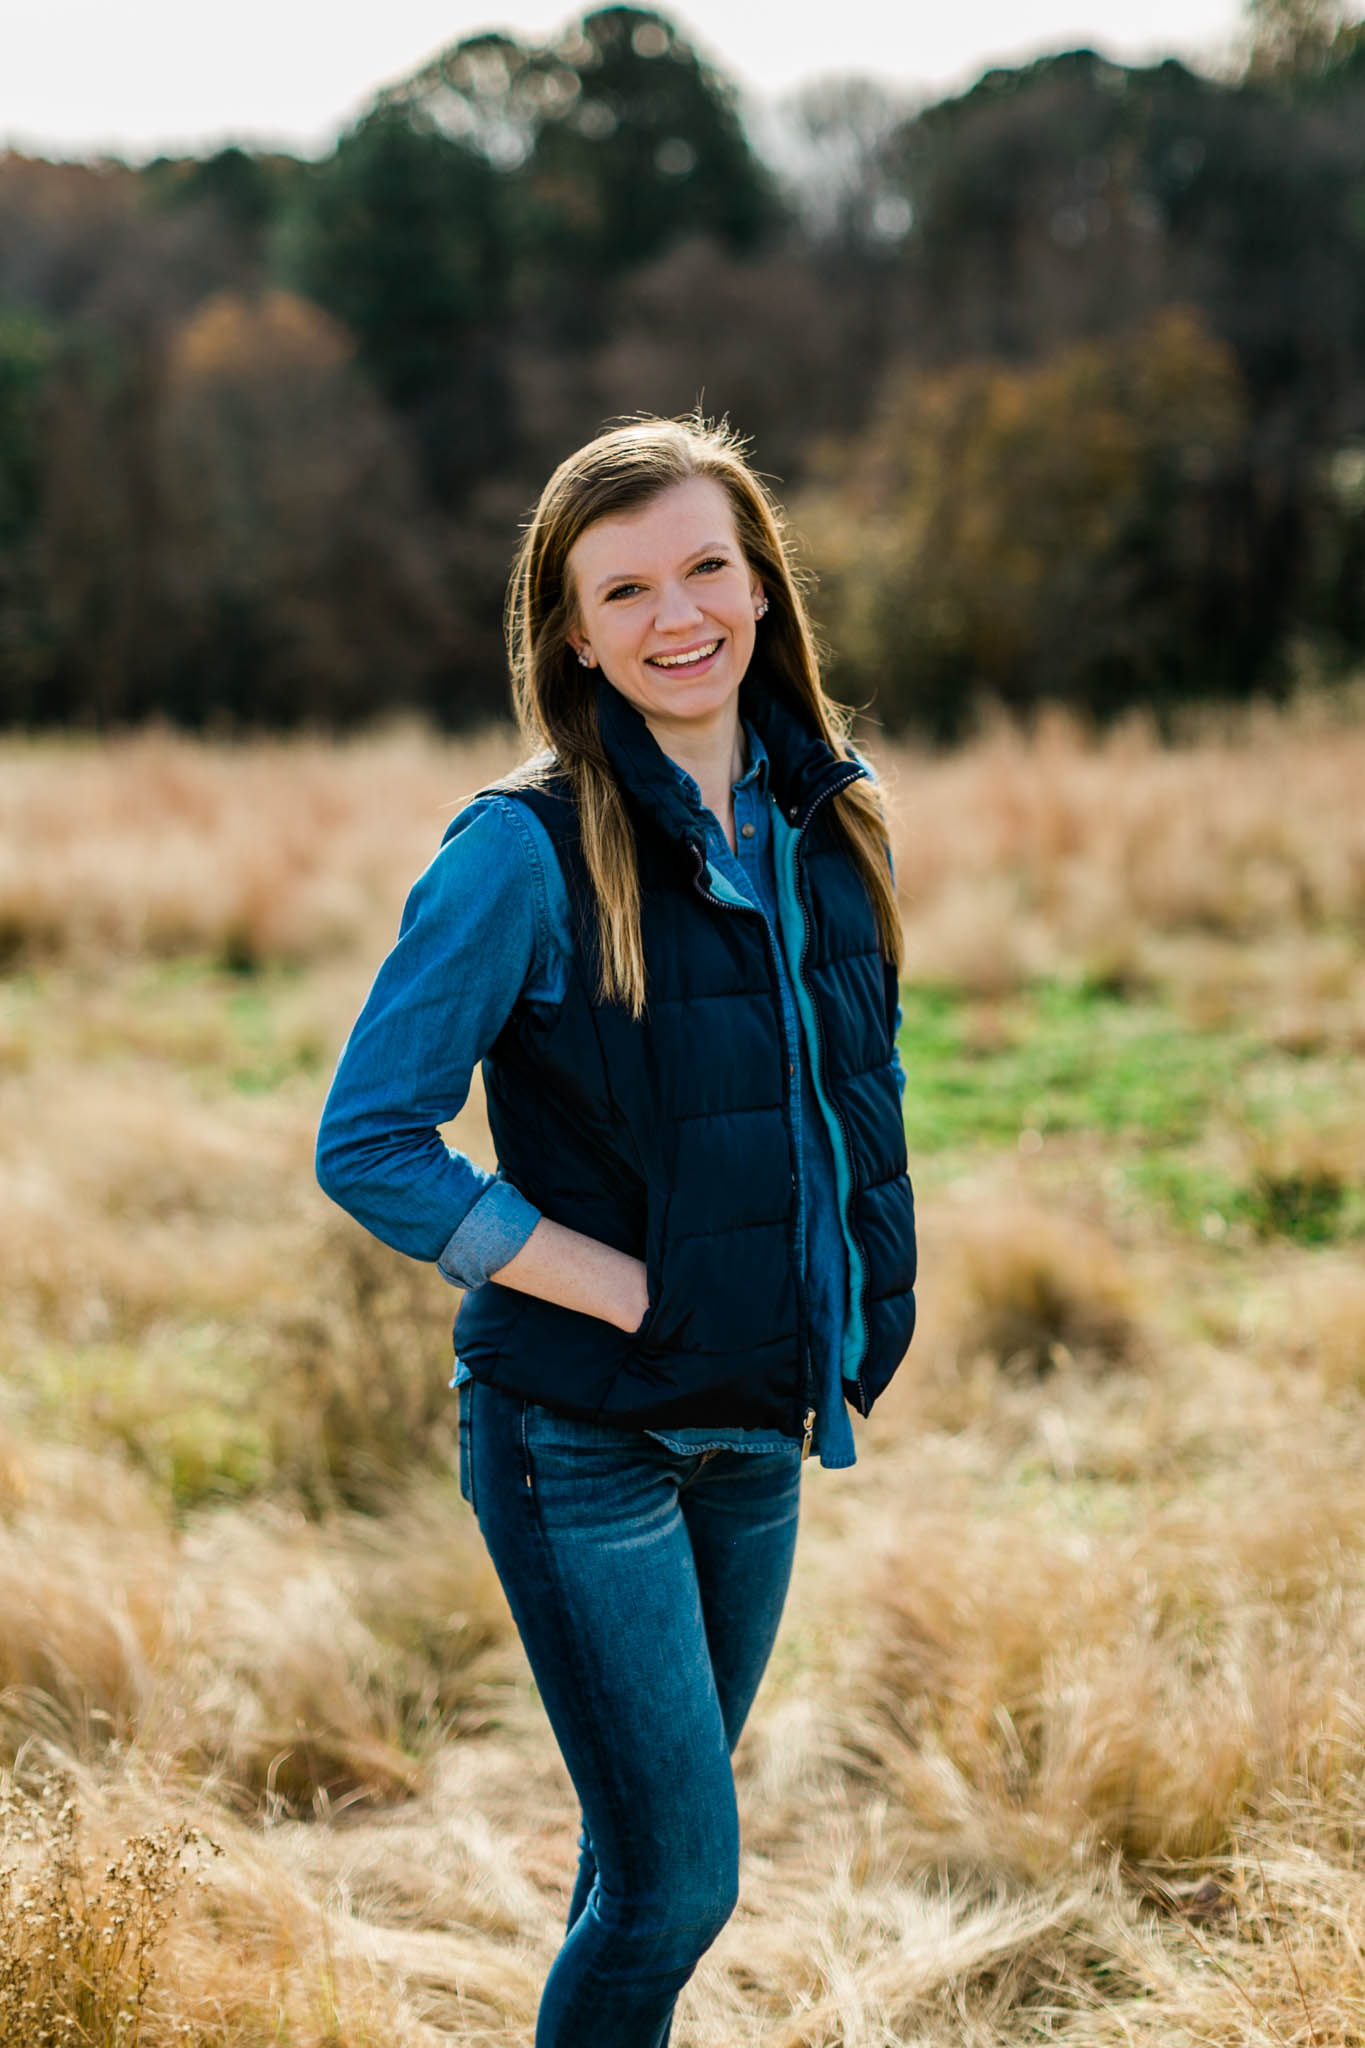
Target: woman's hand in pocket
x=579 y=1272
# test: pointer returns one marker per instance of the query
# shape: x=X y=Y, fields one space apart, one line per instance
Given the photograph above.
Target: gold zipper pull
x=809 y=1428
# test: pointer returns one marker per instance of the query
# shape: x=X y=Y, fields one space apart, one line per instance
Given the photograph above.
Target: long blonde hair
x=555 y=697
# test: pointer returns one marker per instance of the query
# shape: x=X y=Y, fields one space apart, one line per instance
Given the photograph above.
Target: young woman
x=671 y=938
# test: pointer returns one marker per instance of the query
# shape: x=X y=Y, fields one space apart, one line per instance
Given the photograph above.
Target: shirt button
x=791 y=1071
x=794 y=813
x=746 y=831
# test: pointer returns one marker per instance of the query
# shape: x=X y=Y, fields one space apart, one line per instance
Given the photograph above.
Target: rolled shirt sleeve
x=478 y=932
x=494 y=1231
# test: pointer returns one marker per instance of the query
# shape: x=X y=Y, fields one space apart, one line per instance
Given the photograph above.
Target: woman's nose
x=677 y=608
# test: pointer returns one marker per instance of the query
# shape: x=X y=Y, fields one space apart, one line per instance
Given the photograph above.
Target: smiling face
x=666 y=605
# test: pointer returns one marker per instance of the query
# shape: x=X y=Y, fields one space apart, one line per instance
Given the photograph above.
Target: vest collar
x=802 y=769
x=641 y=764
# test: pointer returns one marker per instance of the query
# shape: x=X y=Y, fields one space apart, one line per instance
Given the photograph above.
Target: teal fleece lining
x=791 y=924
x=727 y=892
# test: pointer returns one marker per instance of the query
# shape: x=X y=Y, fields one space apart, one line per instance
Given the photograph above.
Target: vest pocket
x=656 y=1233
x=721 y=1295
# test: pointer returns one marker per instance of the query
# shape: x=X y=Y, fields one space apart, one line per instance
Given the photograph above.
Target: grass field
x=1064 y=1738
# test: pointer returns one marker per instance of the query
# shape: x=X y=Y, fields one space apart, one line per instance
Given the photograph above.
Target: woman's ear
x=578 y=640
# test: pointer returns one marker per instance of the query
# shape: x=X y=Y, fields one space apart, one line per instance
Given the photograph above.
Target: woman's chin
x=701 y=701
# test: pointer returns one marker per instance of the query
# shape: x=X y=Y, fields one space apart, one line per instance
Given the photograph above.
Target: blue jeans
x=647 y=1586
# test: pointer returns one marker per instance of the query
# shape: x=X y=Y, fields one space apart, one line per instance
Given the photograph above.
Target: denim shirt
x=486 y=925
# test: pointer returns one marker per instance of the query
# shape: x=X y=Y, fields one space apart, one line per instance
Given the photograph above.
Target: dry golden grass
x=1064 y=1736
x=298 y=1664
x=1035 y=1289
x=1021 y=853
x=1041 y=1695
x=1127 y=859
x=158 y=845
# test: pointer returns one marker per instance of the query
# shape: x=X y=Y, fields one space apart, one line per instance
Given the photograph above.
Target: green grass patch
x=1060 y=1057
x=230 y=1026
x=1193 y=1112
x=268 y=1056
x=184 y=1411
x=1307 y=1208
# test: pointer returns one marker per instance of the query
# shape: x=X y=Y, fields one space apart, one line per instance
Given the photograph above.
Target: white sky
x=133 y=77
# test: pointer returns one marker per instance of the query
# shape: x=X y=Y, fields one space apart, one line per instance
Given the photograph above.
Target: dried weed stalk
x=79 y=1944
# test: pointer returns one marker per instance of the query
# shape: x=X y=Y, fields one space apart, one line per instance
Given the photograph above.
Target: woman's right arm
x=482 y=927
x=579 y=1272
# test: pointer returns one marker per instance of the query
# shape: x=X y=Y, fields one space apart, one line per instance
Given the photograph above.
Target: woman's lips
x=688 y=661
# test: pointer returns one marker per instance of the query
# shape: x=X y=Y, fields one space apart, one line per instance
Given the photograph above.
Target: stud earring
x=588 y=659
x=761 y=609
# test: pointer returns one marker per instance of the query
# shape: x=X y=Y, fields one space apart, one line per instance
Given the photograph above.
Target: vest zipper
x=855 y=774
x=752 y=910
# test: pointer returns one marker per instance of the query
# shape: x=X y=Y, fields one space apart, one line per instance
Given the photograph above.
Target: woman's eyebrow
x=708 y=547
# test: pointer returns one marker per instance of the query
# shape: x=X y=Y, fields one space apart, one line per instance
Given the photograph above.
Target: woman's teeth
x=687 y=660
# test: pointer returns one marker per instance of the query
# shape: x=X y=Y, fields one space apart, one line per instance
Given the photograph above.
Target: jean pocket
x=465 y=1398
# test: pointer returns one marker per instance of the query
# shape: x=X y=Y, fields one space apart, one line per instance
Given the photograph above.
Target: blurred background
x=1061 y=368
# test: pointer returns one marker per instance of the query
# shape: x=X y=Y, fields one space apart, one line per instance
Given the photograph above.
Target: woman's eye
x=713 y=562
x=622 y=590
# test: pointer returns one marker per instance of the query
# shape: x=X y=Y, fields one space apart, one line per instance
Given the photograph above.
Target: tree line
x=1063 y=378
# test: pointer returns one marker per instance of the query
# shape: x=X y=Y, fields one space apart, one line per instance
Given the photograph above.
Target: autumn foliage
x=1063 y=375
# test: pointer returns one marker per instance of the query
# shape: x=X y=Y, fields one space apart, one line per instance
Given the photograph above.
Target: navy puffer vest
x=670 y=1137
